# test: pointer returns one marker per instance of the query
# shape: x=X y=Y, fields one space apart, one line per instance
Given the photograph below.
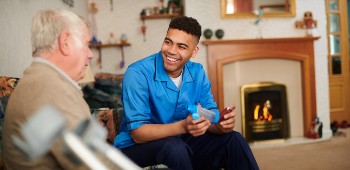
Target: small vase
x=208 y=33
x=219 y=33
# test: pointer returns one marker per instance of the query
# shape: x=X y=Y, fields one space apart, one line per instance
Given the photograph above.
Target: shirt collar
x=44 y=61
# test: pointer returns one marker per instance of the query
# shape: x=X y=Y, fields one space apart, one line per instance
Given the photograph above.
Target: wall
x=15 y=24
x=15 y=29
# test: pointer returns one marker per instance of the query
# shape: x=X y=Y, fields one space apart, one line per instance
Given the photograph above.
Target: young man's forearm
x=151 y=132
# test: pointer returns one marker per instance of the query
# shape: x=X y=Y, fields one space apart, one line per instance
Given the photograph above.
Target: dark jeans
x=209 y=151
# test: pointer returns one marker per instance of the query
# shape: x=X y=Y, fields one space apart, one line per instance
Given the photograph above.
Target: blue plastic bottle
x=197 y=111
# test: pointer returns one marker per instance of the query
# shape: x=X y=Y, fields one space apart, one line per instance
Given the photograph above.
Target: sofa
x=7 y=85
x=103 y=97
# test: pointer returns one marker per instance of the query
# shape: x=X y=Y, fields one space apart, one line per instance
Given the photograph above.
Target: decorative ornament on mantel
x=308 y=23
x=219 y=33
x=258 y=21
x=208 y=33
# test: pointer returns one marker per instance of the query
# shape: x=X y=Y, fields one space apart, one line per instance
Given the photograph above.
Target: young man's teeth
x=171 y=59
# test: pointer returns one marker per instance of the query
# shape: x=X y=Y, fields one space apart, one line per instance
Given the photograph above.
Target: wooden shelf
x=99 y=47
x=159 y=16
x=109 y=45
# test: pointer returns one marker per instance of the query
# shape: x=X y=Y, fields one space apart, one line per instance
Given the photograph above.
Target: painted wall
x=15 y=26
x=16 y=49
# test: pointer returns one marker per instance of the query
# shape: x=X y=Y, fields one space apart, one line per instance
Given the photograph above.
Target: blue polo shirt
x=150 y=96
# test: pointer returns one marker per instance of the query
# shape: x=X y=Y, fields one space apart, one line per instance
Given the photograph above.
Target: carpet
x=326 y=155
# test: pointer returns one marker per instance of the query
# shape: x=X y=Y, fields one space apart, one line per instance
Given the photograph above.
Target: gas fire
x=266 y=115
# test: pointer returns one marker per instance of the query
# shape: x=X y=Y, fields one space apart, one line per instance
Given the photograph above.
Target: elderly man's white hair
x=47 y=25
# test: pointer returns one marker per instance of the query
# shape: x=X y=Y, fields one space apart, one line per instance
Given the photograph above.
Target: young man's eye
x=182 y=47
x=167 y=42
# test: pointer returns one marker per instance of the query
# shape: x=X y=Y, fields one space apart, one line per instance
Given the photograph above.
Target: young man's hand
x=197 y=127
x=228 y=123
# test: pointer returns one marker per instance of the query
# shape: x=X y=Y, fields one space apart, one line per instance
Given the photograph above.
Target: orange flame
x=256 y=112
x=266 y=114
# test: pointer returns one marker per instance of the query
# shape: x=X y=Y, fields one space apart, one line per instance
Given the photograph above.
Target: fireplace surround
x=300 y=49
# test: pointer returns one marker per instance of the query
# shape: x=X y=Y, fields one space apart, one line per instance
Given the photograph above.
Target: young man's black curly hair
x=187 y=24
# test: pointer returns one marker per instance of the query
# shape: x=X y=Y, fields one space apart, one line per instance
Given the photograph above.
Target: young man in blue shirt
x=156 y=126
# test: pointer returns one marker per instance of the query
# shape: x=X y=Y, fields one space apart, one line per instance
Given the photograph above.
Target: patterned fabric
x=7 y=84
x=110 y=119
x=105 y=103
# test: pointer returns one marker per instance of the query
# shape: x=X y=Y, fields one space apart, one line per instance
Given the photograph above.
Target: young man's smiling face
x=178 y=47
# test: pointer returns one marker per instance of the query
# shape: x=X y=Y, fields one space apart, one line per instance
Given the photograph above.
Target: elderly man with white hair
x=61 y=54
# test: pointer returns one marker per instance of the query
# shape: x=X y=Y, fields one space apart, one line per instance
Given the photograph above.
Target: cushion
x=109 y=83
x=105 y=92
x=110 y=119
x=7 y=85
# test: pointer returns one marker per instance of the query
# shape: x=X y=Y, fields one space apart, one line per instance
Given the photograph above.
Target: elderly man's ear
x=64 y=43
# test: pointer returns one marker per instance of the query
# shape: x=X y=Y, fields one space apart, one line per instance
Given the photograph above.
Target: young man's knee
x=236 y=137
x=237 y=134
x=175 y=154
x=175 y=147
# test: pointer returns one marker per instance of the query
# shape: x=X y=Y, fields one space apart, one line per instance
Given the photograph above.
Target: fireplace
x=264 y=111
x=222 y=53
